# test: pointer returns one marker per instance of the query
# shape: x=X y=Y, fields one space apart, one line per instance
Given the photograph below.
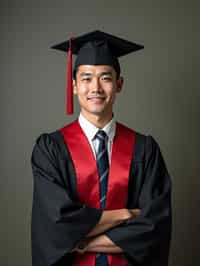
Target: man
x=102 y=193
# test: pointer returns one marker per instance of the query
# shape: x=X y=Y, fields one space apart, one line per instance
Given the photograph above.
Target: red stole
x=88 y=179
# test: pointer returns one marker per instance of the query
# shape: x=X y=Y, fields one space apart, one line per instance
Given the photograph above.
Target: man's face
x=96 y=88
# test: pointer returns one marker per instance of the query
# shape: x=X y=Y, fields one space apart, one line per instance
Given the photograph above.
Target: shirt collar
x=90 y=130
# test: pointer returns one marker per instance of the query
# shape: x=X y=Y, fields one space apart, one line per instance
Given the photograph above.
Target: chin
x=97 y=112
x=96 y=109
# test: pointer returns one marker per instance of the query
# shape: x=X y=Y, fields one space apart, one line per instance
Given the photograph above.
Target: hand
x=81 y=248
x=80 y=251
x=135 y=212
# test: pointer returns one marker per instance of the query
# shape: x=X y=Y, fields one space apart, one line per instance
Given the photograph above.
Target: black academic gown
x=60 y=221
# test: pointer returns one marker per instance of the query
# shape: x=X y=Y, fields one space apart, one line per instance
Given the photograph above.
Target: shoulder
x=44 y=147
x=53 y=138
x=47 y=140
x=50 y=143
x=145 y=145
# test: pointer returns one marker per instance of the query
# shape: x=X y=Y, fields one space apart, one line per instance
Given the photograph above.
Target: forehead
x=95 y=69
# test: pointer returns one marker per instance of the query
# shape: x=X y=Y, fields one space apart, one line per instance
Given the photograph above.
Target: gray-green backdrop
x=160 y=97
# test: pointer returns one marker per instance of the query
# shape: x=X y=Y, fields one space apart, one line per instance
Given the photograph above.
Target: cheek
x=113 y=98
x=81 y=89
x=112 y=93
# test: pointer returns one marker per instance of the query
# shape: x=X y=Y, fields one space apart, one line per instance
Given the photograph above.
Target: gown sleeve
x=145 y=240
x=59 y=221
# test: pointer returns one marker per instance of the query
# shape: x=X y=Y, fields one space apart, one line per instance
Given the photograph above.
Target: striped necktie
x=103 y=170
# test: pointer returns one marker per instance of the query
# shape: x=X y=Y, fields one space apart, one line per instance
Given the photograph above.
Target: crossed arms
x=97 y=241
x=55 y=214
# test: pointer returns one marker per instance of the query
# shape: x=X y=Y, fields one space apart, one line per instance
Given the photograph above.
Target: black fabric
x=96 y=53
x=118 y=46
x=146 y=239
x=98 y=48
x=59 y=221
x=56 y=214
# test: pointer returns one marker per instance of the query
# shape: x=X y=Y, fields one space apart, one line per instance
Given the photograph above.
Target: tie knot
x=101 y=135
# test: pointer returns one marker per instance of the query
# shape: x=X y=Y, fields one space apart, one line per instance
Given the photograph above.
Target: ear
x=74 y=87
x=120 y=83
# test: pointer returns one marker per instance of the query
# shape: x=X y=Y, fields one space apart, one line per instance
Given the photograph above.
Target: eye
x=106 y=78
x=86 y=79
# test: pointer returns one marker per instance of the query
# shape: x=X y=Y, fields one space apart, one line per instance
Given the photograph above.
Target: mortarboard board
x=93 y=48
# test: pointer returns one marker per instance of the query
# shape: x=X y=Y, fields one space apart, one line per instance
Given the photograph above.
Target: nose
x=96 y=85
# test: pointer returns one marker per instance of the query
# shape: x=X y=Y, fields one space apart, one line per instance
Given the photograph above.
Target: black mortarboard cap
x=94 y=48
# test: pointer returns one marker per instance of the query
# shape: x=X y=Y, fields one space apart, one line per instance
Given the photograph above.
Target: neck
x=98 y=121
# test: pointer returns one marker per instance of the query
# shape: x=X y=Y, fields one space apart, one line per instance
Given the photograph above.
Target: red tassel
x=69 y=89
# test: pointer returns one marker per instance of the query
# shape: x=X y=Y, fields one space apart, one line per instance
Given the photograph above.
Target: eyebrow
x=90 y=74
x=106 y=73
x=85 y=74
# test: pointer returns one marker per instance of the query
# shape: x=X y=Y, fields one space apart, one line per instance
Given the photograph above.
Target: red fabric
x=88 y=180
x=69 y=89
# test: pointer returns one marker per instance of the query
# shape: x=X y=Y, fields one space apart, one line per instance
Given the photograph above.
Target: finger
x=81 y=251
x=136 y=212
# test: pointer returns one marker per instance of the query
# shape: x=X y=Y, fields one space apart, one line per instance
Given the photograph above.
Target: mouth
x=96 y=98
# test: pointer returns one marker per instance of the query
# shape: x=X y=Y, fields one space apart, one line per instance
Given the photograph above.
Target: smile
x=96 y=98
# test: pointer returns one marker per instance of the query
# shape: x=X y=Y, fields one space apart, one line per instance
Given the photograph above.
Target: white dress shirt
x=90 y=131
